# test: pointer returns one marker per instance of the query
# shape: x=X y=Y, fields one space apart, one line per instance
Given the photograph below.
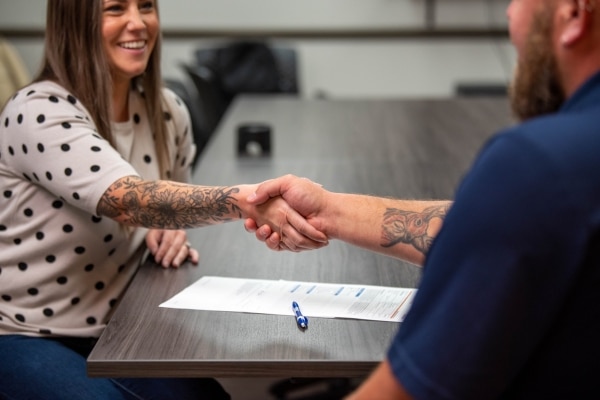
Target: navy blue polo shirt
x=509 y=303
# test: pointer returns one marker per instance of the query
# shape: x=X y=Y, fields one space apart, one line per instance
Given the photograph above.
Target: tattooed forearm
x=410 y=227
x=168 y=205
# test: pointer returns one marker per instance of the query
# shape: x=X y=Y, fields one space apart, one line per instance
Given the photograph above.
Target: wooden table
x=401 y=148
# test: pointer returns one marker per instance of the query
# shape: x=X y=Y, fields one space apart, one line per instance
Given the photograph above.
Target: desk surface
x=401 y=148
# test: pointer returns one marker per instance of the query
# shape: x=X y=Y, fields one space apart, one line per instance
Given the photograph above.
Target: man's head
x=554 y=42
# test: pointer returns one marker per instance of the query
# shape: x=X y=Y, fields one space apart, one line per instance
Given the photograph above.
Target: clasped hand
x=300 y=227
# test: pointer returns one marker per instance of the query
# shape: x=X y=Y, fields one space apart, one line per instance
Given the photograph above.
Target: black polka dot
x=108 y=238
x=67 y=228
x=79 y=249
x=57 y=204
x=167 y=116
x=22 y=266
x=61 y=280
x=8 y=194
x=76 y=196
x=96 y=149
x=20 y=118
x=39 y=235
x=183 y=162
x=95 y=168
x=36 y=177
x=96 y=219
x=50 y=258
x=24 y=147
x=66 y=125
x=99 y=285
x=72 y=99
x=136 y=118
x=11 y=151
x=91 y=320
x=49 y=176
x=45 y=331
x=30 y=92
x=53 y=99
x=28 y=212
x=89 y=268
x=111 y=252
x=17 y=241
x=20 y=317
x=112 y=303
x=121 y=268
x=65 y=147
x=33 y=291
x=6 y=297
x=41 y=118
x=48 y=312
x=41 y=147
x=147 y=159
x=26 y=177
x=75 y=300
x=68 y=171
x=6 y=122
x=2 y=228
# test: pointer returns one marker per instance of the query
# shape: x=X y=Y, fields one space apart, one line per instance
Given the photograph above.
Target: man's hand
x=287 y=229
x=305 y=197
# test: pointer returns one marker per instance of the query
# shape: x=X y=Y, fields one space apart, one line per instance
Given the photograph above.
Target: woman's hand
x=170 y=248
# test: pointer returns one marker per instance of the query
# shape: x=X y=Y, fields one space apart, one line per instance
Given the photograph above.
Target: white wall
x=338 y=68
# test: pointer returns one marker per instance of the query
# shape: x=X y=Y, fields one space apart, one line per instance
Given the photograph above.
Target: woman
x=89 y=156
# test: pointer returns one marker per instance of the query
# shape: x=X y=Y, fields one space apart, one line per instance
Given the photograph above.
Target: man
x=509 y=302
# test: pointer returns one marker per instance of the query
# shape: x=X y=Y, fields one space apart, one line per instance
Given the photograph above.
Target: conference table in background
x=399 y=148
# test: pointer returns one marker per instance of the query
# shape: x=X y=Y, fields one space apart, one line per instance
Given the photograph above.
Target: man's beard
x=536 y=89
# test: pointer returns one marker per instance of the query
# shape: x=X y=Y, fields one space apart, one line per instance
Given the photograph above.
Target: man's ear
x=575 y=18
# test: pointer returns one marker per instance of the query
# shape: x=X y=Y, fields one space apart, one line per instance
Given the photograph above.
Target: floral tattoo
x=168 y=205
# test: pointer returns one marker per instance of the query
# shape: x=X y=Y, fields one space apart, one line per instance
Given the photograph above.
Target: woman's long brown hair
x=74 y=58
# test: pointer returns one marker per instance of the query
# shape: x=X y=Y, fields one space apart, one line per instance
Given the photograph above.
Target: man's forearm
x=400 y=228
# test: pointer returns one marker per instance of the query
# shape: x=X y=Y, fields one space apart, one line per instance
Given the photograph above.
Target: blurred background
x=344 y=48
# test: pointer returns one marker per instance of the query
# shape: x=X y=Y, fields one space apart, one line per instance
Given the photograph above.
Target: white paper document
x=324 y=300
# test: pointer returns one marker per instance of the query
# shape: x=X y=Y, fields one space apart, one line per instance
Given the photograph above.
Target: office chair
x=200 y=128
x=213 y=102
x=252 y=67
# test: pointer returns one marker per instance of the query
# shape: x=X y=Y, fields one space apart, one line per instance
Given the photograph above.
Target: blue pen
x=301 y=320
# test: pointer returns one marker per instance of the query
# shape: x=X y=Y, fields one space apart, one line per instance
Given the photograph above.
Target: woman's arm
x=172 y=205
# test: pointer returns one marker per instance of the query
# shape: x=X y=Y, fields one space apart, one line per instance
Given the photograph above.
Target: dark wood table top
x=399 y=148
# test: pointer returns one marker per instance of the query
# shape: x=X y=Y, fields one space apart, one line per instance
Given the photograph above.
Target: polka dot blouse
x=62 y=267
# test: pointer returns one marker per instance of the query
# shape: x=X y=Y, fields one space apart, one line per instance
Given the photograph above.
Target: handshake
x=296 y=214
x=289 y=213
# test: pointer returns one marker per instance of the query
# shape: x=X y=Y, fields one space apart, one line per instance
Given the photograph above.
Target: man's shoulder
x=573 y=132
